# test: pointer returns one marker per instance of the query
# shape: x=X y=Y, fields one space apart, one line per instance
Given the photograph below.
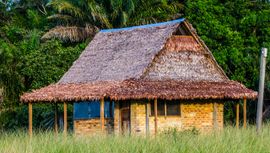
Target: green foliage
x=110 y=13
x=234 y=31
x=80 y=12
x=46 y=64
x=13 y=119
x=43 y=117
x=155 y=11
x=26 y=63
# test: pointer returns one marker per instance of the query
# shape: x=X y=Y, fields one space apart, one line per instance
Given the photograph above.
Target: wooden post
x=146 y=119
x=102 y=114
x=117 y=123
x=30 y=117
x=165 y=109
x=237 y=115
x=215 y=115
x=261 y=90
x=155 y=110
x=65 y=118
x=245 y=112
x=56 y=119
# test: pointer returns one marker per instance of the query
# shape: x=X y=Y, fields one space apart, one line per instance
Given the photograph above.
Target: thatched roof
x=165 y=60
x=119 y=54
x=140 y=89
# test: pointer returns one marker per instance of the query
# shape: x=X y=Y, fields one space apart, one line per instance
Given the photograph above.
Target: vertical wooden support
x=146 y=119
x=119 y=118
x=30 y=117
x=116 y=118
x=215 y=111
x=56 y=119
x=165 y=109
x=155 y=110
x=245 y=112
x=65 y=118
x=102 y=114
x=237 y=115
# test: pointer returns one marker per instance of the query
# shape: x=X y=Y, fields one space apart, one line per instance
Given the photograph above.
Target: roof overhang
x=140 y=89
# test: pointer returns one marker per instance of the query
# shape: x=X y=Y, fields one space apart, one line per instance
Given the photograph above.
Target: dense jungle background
x=40 y=39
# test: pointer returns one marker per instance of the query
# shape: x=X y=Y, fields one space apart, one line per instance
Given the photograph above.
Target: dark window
x=87 y=110
x=173 y=108
x=160 y=108
x=125 y=105
x=168 y=108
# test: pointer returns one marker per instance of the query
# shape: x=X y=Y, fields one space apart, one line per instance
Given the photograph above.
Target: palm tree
x=136 y=12
x=78 y=20
x=152 y=11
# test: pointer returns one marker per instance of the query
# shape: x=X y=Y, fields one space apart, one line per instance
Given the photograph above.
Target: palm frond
x=60 y=17
x=129 y=6
x=123 y=19
x=99 y=14
x=65 y=7
x=71 y=34
x=116 y=4
x=155 y=11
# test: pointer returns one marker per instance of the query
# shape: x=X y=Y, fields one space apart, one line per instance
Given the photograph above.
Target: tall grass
x=230 y=140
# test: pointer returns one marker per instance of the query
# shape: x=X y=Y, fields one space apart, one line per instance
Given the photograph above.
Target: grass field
x=230 y=140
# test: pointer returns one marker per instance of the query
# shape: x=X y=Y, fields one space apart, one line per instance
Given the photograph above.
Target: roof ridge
x=144 y=26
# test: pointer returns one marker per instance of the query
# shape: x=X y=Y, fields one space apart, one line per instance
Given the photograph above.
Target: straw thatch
x=166 y=60
x=140 y=89
x=72 y=33
x=184 y=59
x=119 y=55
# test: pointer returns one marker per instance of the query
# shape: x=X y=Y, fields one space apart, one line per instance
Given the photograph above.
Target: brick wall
x=92 y=126
x=193 y=115
x=200 y=116
x=138 y=117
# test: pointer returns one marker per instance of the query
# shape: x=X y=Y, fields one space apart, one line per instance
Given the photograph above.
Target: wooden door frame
x=120 y=114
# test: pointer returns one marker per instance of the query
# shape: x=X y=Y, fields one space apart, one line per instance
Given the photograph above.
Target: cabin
x=144 y=80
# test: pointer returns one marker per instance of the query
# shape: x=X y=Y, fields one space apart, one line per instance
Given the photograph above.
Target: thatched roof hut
x=165 y=61
x=137 y=62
